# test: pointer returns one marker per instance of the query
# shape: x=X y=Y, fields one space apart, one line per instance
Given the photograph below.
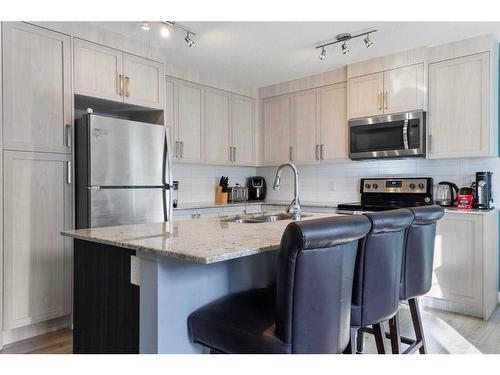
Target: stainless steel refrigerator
x=123 y=172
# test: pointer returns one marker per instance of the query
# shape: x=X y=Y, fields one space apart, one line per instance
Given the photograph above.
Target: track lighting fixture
x=189 y=41
x=368 y=42
x=343 y=38
x=344 y=48
x=322 y=56
x=165 y=30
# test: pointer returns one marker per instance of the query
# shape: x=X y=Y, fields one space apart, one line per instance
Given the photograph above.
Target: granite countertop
x=200 y=241
x=195 y=205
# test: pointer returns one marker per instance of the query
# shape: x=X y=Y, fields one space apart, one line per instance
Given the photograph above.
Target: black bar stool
x=416 y=275
x=308 y=312
x=377 y=276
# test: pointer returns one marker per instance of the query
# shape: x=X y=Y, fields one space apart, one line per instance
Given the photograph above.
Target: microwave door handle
x=405 y=134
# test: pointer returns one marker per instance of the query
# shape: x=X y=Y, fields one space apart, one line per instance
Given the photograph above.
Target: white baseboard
x=22 y=333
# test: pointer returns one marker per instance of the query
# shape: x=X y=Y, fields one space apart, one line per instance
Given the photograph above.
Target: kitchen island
x=135 y=285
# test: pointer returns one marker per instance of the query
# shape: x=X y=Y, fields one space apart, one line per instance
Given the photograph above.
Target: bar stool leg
x=395 y=334
x=351 y=347
x=379 y=338
x=417 y=323
x=361 y=341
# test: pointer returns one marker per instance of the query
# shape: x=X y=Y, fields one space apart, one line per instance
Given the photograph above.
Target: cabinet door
x=365 y=95
x=305 y=127
x=404 y=89
x=37 y=88
x=457 y=272
x=277 y=121
x=98 y=71
x=333 y=122
x=217 y=127
x=37 y=277
x=459 y=107
x=243 y=129
x=143 y=83
x=190 y=129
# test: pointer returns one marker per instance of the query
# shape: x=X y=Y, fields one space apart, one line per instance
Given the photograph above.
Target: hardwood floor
x=445 y=333
x=57 y=342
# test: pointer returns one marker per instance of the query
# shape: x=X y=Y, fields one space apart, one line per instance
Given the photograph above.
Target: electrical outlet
x=331 y=186
x=135 y=270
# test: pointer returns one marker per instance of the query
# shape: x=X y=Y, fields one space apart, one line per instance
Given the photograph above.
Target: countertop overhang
x=201 y=241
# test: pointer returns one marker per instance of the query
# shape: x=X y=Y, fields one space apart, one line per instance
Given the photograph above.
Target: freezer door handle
x=68 y=172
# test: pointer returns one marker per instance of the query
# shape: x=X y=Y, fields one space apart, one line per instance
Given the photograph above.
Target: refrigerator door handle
x=167 y=180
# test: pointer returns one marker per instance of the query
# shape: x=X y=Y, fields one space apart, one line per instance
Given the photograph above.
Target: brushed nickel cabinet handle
x=182 y=149
x=291 y=153
x=317 y=152
x=127 y=86
x=67 y=127
x=177 y=149
x=378 y=101
x=120 y=85
x=234 y=153
x=321 y=148
x=386 y=95
x=68 y=172
x=429 y=143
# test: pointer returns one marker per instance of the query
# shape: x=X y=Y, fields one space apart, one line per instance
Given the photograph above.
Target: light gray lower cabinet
x=465 y=272
x=37 y=259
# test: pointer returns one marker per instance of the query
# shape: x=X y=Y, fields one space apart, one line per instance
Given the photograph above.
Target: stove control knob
x=427 y=200
x=412 y=186
x=367 y=186
x=420 y=185
x=375 y=186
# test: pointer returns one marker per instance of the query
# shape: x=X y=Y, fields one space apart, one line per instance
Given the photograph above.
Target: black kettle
x=446 y=194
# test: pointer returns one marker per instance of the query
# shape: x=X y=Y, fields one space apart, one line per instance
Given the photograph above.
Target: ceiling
x=263 y=53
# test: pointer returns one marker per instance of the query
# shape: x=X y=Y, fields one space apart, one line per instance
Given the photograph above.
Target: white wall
x=339 y=183
x=197 y=182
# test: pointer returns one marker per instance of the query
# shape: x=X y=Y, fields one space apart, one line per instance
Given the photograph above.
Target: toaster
x=237 y=193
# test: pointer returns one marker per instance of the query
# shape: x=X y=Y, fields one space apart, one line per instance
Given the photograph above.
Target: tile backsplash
x=335 y=183
x=197 y=182
x=339 y=183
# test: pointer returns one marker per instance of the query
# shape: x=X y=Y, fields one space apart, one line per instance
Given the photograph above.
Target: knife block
x=220 y=197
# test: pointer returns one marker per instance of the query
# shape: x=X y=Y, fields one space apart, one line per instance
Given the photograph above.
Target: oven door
x=391 y=136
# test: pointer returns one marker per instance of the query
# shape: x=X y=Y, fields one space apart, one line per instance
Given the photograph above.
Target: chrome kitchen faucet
x=294 y=207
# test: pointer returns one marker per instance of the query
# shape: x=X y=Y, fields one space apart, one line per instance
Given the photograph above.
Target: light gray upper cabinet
x=189 y=128
x=37 y=96
x=333 y=123
x=392 y=91
x=277 y=116
x=243 y=130
x=459 y=108
x=98 y=70
x=218 y=149
x=37 y=259
x=305 y=127
x=143 y=81
x=110 y=74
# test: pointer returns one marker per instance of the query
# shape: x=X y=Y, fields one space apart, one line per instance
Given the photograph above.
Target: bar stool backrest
x=416 y=275
x=377 y=273
x=314 y=282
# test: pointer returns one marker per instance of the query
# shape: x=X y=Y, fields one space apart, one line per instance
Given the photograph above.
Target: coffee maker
x=484 y=190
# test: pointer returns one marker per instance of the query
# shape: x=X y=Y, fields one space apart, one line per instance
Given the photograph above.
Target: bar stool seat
x=241 y=322
x=307 y=312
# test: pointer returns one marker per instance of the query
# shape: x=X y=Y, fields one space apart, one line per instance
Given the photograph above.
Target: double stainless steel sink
x=259 y=218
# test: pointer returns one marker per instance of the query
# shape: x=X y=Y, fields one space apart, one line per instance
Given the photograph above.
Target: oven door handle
x=405 y=134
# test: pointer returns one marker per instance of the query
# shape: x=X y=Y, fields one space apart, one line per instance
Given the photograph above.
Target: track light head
x=322 y=56
x=189 y=41
x=145 y=25
x=344 y=48
x=368 y=42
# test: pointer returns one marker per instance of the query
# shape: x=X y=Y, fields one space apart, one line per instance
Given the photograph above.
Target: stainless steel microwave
x=399 y=135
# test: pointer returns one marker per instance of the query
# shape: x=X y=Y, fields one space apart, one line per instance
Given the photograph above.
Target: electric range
x=382 y=194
